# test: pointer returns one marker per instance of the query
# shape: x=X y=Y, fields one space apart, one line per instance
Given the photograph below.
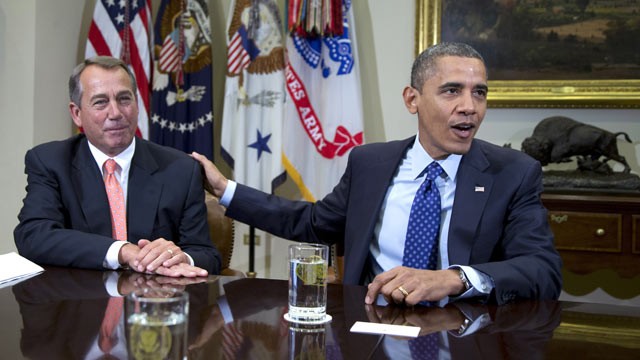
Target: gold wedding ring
x=170 y=252
x=403 y=291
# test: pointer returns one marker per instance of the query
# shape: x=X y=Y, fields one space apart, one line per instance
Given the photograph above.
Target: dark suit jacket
x=65 y=219
x=502 y=230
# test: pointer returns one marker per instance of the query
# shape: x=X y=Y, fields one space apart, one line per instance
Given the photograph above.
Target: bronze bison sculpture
x=556 y=139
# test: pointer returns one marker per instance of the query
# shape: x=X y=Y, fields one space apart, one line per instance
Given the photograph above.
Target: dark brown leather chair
x=221 y=231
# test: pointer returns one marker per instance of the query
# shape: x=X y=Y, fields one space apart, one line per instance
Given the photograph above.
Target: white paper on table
x=15 y=268
x=385 y=329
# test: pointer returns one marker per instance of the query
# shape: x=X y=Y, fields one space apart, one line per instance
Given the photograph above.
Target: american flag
x=120 y=28
x=169 y=56
x=241 y=51
x=232 y=339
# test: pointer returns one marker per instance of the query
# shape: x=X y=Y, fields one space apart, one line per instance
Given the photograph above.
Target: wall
x=41 y=41
x=17 y=62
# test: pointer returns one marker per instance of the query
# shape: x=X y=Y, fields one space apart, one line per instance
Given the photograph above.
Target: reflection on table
x=231 y=318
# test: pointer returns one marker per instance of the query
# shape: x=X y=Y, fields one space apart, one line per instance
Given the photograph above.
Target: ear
x=410 y=97
x=74 y=110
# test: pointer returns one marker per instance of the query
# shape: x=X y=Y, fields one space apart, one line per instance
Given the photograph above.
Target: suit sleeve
x=44 y=233
x=319 y=222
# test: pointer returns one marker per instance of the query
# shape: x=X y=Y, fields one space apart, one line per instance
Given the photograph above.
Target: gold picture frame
x=534 y=93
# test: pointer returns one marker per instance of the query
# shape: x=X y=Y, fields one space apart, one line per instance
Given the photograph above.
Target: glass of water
x=157 y=323
x=308 y=283
x=307 y=341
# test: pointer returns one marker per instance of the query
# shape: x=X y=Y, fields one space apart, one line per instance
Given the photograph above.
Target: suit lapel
x=90 y=191
x=472 y=192
x=143 y=193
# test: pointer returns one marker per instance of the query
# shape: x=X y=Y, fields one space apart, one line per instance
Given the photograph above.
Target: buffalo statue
x=556 y=139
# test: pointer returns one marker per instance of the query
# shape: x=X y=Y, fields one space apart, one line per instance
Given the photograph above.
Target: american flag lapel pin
x=479 y=189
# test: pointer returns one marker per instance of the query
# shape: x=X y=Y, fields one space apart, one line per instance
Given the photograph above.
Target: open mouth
x=463 y=129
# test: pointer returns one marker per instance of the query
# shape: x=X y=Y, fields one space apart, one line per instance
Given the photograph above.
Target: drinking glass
x=308 y=283
x=157 y=323
x=307 y=341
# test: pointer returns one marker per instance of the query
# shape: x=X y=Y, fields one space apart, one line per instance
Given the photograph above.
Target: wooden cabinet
x=596 y=232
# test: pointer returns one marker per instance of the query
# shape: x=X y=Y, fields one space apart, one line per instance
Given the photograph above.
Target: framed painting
x=545 y=53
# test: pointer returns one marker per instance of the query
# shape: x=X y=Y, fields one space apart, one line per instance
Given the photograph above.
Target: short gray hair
x=425 y=64
x=105 y=62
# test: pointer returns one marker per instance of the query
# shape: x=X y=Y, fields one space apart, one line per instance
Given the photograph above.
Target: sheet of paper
x=15 y=268
x=385 y=329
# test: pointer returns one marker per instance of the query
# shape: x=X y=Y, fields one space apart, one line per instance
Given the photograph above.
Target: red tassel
x=337 y=15
x=332 y=17
x=294 y=15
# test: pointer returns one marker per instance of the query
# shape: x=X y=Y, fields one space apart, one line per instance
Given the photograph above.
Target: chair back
x=221 y=230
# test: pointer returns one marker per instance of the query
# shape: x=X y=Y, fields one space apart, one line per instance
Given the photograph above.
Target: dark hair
x=105 y=62
x=425 y=64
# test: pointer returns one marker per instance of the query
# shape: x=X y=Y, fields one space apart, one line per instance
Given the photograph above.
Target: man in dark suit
x=66 y=219
x=494 y=240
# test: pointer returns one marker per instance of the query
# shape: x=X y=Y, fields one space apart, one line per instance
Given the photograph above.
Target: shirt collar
x=420 y=159
x=123 y=159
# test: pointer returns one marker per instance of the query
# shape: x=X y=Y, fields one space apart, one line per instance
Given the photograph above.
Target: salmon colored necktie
x=116 y=201
x=108 y=338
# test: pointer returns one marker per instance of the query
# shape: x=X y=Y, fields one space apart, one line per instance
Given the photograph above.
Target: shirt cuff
x=476 y=318
x=227 y=196
x=190 y=259
x=111 y=284
x=481 y=283
x=225 y=309
x=111 y=259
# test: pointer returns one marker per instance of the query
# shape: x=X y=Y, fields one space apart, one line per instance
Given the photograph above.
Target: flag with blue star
x=251 y=141
x=261 y=144
x=181 y=114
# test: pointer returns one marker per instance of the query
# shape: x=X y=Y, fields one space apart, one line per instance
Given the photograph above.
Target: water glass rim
x=309 y=245
x=156 y=295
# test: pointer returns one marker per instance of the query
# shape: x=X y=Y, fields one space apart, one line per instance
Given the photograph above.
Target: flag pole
x=252 y=252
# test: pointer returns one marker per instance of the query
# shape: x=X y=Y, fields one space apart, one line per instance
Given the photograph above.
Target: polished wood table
x=57 y=314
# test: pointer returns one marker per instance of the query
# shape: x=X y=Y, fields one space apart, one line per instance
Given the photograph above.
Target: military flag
x=182 y=110
x=254 y=94
x=121 y=29
x=323 y=112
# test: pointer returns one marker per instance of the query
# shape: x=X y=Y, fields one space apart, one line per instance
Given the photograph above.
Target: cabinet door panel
x=598 y=232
